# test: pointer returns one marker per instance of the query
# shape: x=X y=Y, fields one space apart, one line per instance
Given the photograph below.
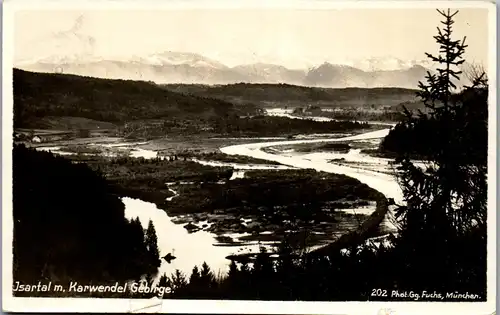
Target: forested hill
x=279 y=94
x=68 y=225
x=38 y=95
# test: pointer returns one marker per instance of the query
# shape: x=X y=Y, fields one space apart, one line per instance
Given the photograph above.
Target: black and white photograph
x=247 y=157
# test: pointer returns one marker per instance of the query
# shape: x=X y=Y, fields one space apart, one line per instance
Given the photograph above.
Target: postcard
x=280 y=157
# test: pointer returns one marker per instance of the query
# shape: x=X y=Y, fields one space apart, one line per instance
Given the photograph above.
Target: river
x=384 y=183
x=190 y=249
x=195 y=248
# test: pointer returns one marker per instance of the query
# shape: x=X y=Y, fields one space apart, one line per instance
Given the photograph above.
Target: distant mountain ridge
x=189 y=68
x=338 y=76
x=72 y=51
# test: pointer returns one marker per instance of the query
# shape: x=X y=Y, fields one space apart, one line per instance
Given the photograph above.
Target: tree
x=152 y=245
x=194 y=280
x=445 y=211
x=178 y=282
x=439 y=182
x=233 y=269
x=164 y=281
x=439 y=86
x=476 y=74
x=207 y=277
x=137 y=245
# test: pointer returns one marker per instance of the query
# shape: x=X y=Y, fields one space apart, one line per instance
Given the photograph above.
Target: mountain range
x=72 y=51
x=191 y=68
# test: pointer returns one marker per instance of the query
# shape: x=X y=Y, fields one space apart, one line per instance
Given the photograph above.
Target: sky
x=293 y=38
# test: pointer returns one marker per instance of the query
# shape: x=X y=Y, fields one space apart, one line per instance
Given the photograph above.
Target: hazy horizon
x=296 y=39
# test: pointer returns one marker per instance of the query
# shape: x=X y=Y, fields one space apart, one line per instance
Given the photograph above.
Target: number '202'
x=379 y=292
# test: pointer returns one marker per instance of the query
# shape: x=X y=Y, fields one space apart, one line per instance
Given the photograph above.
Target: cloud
x=70 y=45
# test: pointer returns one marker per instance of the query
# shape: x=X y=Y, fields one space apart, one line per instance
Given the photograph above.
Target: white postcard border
x=11 y=303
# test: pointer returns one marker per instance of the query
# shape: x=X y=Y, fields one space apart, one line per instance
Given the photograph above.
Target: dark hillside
x=268 y=94
x=68 y=225
x=38 y=95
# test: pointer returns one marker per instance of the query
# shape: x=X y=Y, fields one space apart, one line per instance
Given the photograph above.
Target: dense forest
x=38 y=95
x=68 y=226
x=424 y=135
x=281 y=126
x=236 y=126
x=281 y=94
x=353 y=114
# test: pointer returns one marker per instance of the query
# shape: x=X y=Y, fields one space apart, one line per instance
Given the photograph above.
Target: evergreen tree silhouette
x=233 y=269
x=207 y=279
x=263 y=275
x=440 y=86
x=179 y=283
x=137 y=244
x=164 y=281
x=445 y=200
x=152 y=245
x=195 y=288
x=195 y=277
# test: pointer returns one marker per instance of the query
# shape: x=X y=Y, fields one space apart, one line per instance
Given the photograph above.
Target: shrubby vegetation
x=280 y=126
x=272 y=194
x=226 y=158
x=235 y=126
x=323 y=147
x=363 y=115
x=147 y=178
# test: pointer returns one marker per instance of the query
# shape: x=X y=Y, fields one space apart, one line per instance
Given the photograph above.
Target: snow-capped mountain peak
x=171 y=58
x=384 y=63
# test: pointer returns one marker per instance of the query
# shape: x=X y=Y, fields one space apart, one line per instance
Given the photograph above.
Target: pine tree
x=164 y=281
x=207 y=277
x=137 y=245
x=152 y=245
x=263 y=265
x=179 y=282
x=194 y=279
x=436 y=190
x=440 y=86
x=233 y=269
x=446 y=199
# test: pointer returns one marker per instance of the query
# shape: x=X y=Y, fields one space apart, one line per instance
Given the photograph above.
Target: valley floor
x=206 y=189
